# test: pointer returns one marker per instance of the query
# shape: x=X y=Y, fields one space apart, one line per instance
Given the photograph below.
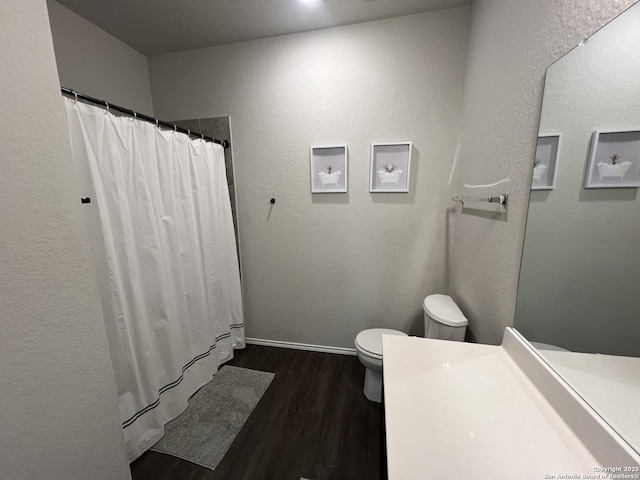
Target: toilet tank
x=443 y=319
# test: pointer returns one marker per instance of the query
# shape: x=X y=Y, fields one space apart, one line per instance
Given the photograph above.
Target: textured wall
x=57 y=395
x=580 y=266
x=319 y=268
x=94 y=62
x=511 y=44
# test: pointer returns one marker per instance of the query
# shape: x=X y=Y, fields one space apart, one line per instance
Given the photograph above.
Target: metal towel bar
x=499 y=199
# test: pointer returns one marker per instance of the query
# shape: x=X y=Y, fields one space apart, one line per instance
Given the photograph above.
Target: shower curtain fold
x=163 y=245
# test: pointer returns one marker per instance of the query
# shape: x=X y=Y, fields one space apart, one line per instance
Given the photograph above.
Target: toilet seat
x=369 y=341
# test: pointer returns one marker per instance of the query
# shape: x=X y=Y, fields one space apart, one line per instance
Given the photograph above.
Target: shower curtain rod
x=141 y=116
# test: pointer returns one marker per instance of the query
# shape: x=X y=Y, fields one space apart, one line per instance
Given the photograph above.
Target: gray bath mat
x=203 y=433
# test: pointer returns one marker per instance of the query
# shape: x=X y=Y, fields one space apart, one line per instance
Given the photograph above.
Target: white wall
x=580 y=266
x=57 y=395
x=319 y=268
x=510 y=46
x=94 y=62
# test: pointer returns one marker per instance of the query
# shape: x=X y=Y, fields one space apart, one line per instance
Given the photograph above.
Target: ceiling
x=156 y=27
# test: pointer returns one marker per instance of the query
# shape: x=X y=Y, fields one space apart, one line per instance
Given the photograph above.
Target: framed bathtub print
x=390 y=167
x=545 y=164
x=329 y=169
x=614 y=160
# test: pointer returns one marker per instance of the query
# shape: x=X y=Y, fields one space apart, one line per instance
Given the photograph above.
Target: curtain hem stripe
x=177 y=382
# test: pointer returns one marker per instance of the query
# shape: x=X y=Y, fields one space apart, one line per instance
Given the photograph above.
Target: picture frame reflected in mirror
x=614 y=160
x=545 y=164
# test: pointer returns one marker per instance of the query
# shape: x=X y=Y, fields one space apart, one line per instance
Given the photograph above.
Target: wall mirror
x=578 y=298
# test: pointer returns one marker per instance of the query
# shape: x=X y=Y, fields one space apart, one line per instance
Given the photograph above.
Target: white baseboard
x=301 y=346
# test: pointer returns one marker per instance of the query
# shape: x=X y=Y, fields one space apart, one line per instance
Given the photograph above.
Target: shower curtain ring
x=201 y=136
x=107 y=105
x=189 y=132
x=175 y=128
x=75 y=94
x=156 y=123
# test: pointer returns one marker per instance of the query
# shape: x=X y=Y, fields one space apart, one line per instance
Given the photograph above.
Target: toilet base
x=373 y=385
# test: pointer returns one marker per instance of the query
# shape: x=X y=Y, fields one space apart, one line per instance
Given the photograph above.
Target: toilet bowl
x=369 y=348
x=442 y=319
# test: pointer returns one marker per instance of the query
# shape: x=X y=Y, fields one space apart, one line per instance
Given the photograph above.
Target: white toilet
x=442 y=319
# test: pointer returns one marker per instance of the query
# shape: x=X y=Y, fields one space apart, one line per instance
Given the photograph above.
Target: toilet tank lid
x=444 y=310
x=371 y=340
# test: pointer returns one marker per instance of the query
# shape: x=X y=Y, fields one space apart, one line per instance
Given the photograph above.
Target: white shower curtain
x=163 y=244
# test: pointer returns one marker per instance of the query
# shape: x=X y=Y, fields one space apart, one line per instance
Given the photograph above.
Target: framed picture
x=329 y=169
x=390 y=167
x=545 y=164
x=614 y=160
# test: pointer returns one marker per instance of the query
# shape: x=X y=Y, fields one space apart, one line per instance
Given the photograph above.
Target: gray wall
x=510 y=47
x=57 y=395
x=581 y=265
x=381 y=81
x=318 y=269
x=94 y=62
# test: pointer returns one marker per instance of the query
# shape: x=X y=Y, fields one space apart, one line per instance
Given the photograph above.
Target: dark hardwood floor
x=312 y=422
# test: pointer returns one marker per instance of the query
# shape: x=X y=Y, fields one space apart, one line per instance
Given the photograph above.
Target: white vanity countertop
x=610 y=383
x=457 y=410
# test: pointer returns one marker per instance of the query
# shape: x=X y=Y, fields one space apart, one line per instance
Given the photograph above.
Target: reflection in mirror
x=579 y=290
